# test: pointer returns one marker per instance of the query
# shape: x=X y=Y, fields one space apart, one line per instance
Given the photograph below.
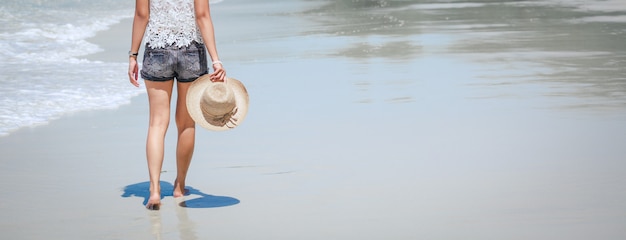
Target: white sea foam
x=581 y=5
x=598 y=5
x=43 y=72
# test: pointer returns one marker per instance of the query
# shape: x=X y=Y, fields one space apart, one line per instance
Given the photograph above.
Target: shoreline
x=112 y=44
x=115 y=48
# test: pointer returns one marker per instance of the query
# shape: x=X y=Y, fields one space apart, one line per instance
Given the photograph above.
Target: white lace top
x=172 y=22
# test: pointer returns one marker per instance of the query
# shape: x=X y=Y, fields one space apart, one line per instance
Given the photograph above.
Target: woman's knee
x=183 y=122
x=161 y=121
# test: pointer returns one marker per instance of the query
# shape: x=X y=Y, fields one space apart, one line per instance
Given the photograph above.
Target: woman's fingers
x=218 y=75
x=133 y=73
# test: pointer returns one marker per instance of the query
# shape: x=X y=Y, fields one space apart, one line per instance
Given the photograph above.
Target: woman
x=176 y=33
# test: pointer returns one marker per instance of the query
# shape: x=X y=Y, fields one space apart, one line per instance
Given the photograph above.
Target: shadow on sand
x=204 y=201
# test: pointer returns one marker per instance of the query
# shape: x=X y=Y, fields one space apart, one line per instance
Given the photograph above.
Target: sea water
x=44 y=72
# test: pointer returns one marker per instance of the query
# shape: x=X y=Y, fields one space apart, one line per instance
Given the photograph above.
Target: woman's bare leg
x=159 y=96
x=186 y=139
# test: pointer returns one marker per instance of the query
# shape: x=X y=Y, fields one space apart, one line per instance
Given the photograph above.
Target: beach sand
x=350 y=135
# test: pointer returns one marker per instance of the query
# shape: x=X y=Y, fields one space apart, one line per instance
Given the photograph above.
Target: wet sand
x=368 y=120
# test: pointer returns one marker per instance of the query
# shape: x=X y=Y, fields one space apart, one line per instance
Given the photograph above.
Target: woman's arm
x=205 y=24
x=142 y=14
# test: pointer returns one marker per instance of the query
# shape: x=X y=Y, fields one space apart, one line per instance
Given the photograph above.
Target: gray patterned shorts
x=185 y=64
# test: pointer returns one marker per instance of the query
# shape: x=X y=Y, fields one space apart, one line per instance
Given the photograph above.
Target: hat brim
x=194 y=95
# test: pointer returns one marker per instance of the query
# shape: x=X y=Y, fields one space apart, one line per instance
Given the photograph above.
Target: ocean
x=45 y=72
x=44 y=69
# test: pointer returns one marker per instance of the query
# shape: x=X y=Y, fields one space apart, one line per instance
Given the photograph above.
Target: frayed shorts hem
x=165 y=79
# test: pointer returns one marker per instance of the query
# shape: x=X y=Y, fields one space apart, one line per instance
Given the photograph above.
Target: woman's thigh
x=159 y=96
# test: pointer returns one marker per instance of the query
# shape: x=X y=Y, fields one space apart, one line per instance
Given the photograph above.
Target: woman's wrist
x=217 y=62
x=133 y=54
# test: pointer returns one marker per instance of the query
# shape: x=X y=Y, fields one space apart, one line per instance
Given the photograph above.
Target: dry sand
x=349 y=136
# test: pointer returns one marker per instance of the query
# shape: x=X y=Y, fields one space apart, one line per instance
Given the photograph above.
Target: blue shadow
x=142 y=190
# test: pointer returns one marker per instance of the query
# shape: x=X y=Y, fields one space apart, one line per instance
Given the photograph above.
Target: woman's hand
x=219 y=74
x=133 y=71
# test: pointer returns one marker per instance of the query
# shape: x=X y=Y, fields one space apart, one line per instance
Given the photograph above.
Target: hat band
x=220 y=120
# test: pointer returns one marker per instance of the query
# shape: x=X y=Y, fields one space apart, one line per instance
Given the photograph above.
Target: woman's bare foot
x=154 y=203
x=179 y=189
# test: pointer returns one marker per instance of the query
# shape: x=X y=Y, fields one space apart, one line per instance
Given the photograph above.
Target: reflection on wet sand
x=572 y=51
x=156 y=226
x=393 y=50
x=186 y=227
x=195 y=198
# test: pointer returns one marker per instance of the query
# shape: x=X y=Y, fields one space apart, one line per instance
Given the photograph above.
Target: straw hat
x=217 y=106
